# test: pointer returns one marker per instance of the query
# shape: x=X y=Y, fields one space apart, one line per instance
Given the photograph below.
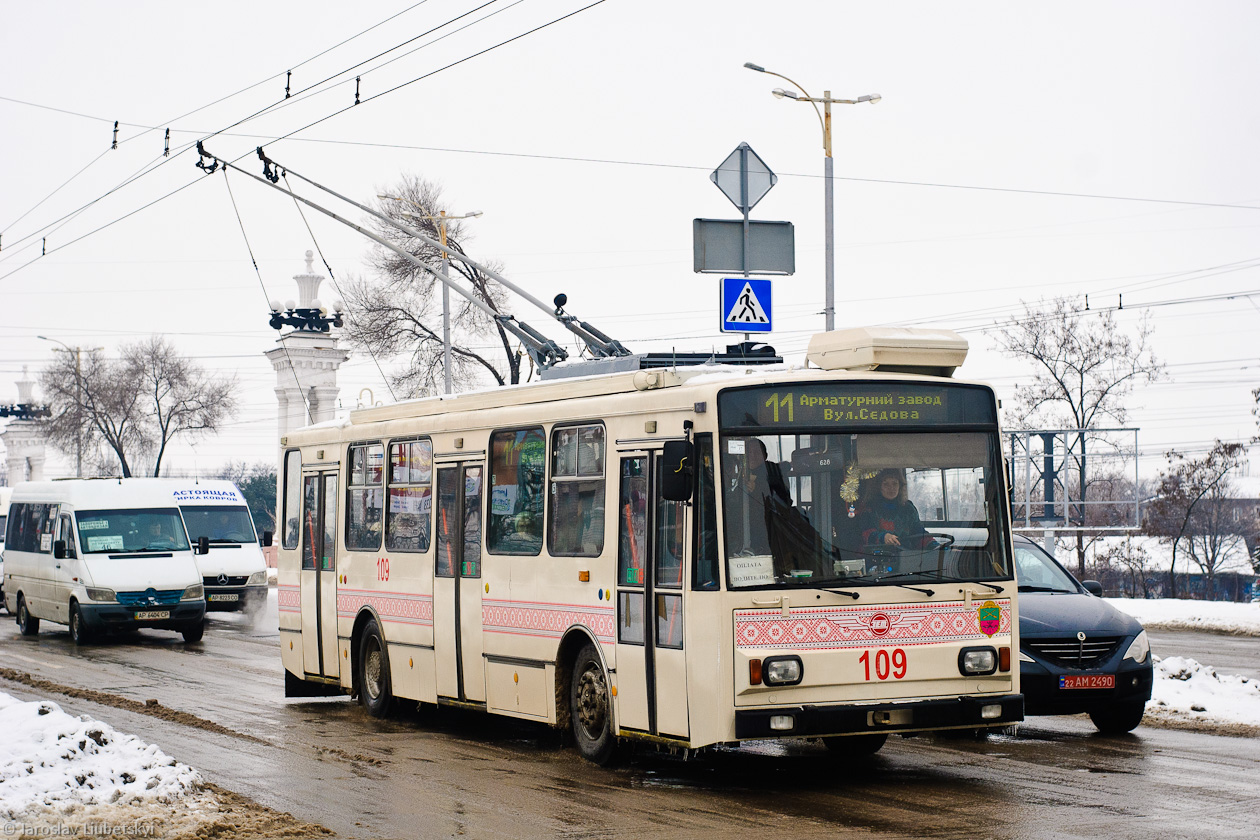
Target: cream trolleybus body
x=526 y=551
x=101 y=555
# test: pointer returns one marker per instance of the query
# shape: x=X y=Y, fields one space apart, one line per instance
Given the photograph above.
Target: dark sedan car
x=1077 y=653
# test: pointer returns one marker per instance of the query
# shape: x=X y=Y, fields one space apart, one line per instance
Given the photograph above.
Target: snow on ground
x=1210 y=616
x=1189 y=692
x=57 y=768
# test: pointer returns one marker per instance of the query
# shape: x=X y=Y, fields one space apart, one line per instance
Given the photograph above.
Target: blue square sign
x=745 y=305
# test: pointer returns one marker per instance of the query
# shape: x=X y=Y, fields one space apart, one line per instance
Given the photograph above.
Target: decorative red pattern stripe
x=823 y=628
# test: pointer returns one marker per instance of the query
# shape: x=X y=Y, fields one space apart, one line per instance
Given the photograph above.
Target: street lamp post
x=441 y=220
x=78 y=401
x=824 y=118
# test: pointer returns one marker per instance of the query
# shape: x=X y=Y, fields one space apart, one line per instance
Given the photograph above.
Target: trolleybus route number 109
x=884 y=664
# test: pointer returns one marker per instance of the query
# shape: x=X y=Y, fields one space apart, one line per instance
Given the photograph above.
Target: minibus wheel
x=193 y=632
x=78 y=631
x=590 y=708
x=856 y=746
x=375 y=692
x=27 y=624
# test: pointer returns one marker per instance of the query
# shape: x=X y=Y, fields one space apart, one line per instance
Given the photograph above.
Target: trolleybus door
x=457 y=584
x=651 y=662
x=319 y=573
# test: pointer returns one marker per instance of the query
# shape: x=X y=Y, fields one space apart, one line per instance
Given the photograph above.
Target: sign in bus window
x=516 y=492
x=632 y=523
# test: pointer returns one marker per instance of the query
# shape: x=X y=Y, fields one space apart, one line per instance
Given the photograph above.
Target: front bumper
x=1040 y=684
x=227 y=598
x=852 y=719
x=113 y=618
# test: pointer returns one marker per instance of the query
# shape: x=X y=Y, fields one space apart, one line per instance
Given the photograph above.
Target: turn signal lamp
x=754 y=672
x=1004 y=659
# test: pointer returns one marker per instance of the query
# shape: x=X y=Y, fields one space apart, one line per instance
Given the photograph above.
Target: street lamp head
x=274 y=304
x=780 y=93
x=474 y=214
x=756 y=67
x=870 y=97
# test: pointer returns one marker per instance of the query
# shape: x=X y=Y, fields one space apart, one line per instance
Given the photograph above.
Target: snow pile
x=50 y=758
x=1187 y=690
x=1210 y=616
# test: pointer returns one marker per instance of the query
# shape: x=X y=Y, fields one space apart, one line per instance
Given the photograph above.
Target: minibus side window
x=66 y=532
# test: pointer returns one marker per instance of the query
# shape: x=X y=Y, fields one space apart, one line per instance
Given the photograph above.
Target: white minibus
x=101 y=555
x=5 y=493
x=233 y=569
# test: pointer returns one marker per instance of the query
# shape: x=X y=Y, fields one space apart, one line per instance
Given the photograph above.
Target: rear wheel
x=1118 y=719
x=78 y=631
x=375 y=690
x=28 y=625
x=193 y=632
x=855 y=746
x=590 y=708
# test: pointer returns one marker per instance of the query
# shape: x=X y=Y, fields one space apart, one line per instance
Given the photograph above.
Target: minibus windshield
x=219 y=523
x=132 y=530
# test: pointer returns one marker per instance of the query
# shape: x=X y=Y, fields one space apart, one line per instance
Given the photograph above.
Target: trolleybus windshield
x=861 y=484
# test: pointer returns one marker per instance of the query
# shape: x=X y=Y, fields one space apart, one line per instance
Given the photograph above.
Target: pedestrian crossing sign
x=745 y=305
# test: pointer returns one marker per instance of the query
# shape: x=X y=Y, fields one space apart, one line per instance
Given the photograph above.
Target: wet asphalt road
x=1227 y=654
x=444 y=773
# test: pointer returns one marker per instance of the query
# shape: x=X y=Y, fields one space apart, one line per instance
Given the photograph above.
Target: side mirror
x=678 y=470
x=59 y=550
x=1093 y=587
x=266 y=539
x=203 y=545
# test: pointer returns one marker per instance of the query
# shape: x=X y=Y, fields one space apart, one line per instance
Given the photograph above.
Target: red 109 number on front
x=886 y=665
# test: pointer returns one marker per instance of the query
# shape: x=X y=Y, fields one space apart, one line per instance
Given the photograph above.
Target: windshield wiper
x=1027 y=588
x=942 y=577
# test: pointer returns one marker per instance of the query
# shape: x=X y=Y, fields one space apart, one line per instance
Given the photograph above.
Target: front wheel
x=855 y=746
x=590 y=708
x=1118 y=719
x=193 y=632
x=28 y=625
x=375 y=691
x=78 y=631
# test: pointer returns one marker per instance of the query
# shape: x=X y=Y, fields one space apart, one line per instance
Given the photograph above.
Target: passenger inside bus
x=759 y=489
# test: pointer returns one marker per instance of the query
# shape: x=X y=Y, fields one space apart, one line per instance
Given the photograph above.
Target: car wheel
x=1118 y=719
x=78 y=631
x=375 y=690
x=590 y=708
x=855 y=746
x=27 y=624
x=193 y=632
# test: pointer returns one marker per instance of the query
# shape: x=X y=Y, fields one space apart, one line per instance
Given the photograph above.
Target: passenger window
x=577 y=491
x=704 y=567
x=409 y=513
x=516 y=491
x=66 y=532
x=365 y=497
x=291 y=499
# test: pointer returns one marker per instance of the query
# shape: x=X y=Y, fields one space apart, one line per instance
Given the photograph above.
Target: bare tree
x=1189 y=509
x=133 y=407
x=1084 y=367
x=1133 y=561
x=400 y=310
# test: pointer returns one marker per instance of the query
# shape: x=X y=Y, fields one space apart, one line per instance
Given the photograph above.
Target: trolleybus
x=680 y=555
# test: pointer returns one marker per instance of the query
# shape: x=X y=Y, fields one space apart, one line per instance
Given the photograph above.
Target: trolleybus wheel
x=1118 y=719
x=375 y=692
x=78 y=632
x=590 y=708
x=27 y=624
x=194 y=632
x=856 y=746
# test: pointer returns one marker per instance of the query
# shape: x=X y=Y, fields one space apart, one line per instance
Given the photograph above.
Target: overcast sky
x=1020 y=151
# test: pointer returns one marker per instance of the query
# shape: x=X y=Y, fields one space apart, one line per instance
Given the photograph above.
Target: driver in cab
x=887 y=516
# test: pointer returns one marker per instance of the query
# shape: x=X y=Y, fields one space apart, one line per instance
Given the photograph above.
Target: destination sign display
x=857 y=404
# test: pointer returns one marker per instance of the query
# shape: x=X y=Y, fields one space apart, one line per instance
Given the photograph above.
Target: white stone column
x=24 y=443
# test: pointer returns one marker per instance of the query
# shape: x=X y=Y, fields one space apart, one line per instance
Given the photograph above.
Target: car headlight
x=783 y=670
x=1140 y=649
x=194 y=593
x=257 y=578
x=98 y=594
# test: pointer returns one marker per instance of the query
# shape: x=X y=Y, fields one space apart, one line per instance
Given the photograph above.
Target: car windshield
x=1038 y=573
x=847 y=510
x=219 y=523
x=131 y=530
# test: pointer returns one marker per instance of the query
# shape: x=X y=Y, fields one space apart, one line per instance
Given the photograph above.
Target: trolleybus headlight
x=977 y=661
x=783 y=670
x=194 y=593
x=1140 y=648
x=257 y=578
x=99 y=594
